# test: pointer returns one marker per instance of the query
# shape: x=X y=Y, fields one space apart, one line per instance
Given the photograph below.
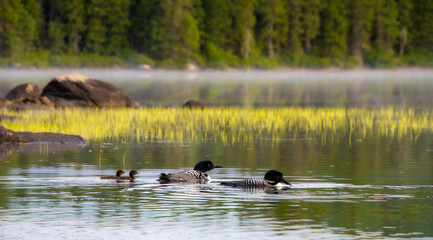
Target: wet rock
x=76 y=90
x=8 y=136
x=195 y=104
x=26 y=92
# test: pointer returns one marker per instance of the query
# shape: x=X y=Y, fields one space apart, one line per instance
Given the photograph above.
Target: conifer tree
x=33 y=7
x=295 y=28
x=243 y=14
x=54 y=33
x=18 y=29
x=334 y=29
x=174 y=32
x=117 y=25
x=422 y=27
x=274 y=26
x=361 y=23
x=311 y=22
x=142 y=14
x=386 y=25
x=74 y=11
x=404 y=18
x=96 y=30
x=217 y=24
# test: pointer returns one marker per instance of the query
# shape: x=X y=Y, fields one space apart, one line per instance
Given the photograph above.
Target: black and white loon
x=198 y=175
x=273 y=178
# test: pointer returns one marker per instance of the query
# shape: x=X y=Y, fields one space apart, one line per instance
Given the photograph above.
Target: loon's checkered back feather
x=250 y=183
x=192 y=176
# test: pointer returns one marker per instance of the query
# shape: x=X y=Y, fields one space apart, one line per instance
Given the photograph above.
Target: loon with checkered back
x=198 y=175
x=273 y=178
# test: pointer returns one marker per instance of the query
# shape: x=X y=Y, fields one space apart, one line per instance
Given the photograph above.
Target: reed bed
x=222 y=124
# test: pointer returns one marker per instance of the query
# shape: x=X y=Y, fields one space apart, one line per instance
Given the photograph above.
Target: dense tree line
x=220 y=33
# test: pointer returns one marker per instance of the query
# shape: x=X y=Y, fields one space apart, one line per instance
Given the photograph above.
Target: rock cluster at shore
x=73 y=90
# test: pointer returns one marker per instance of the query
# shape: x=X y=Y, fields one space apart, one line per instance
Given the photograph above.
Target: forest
x=216 y=34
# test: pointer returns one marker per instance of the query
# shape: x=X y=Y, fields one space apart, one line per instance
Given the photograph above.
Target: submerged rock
x=195 y=104
x=8 y=136
x=77 y=90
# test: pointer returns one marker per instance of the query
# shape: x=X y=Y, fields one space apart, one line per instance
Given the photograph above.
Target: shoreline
x=231 y=69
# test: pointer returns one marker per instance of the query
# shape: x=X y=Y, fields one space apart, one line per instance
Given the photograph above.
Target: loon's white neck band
x=270 y=183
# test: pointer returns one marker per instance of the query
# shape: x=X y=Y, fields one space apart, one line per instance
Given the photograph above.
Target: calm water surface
x=371 y=188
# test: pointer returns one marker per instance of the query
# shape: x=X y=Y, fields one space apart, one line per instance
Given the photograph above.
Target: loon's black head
x=205 y=166
x=274 y=177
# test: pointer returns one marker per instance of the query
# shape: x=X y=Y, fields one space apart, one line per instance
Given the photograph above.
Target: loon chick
x=118 y=174
x=273 y=178
x=131 y=176
x=198 y=175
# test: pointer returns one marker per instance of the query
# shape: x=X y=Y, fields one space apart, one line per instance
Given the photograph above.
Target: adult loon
x=131 y=176
x=273 y=179
x=198 y=175
x=118 y=174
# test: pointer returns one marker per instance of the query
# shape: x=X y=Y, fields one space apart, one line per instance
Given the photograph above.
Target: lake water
x=371 y=188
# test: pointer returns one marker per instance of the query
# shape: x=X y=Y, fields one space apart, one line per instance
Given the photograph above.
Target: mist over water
x=255 y=88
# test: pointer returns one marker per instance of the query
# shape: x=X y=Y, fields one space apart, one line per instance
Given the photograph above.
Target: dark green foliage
x=311 y=22
x=386 y=26
x=242 y=13
x=272 y=27
x=18 y=28
x=74 y=26
x=295 y=28
x=422 y=24
x=216 y=33
x=361 y=28
x=117 y=25
x=96 y=11
x=334 y=30
x=174 y=32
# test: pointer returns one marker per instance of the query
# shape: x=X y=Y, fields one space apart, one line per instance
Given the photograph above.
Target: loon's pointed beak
x=217 y=166
x=284 y=181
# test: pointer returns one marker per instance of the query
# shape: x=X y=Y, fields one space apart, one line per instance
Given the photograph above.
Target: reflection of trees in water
x=326 y=93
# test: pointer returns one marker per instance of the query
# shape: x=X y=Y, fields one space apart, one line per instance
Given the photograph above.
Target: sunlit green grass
x=222 y=124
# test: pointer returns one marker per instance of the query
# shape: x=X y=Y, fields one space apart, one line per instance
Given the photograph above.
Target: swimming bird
x=118 y=174
x=198 y=175
x=273 y=179
x=131 y=176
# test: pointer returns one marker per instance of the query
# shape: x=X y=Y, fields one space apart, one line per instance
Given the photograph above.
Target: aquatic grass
x=222 y=124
